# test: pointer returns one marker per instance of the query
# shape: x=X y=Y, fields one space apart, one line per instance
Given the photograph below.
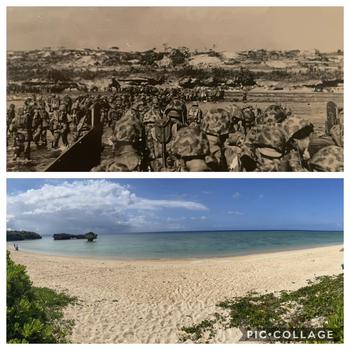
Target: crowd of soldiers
x=41 y=120
x=153 y=130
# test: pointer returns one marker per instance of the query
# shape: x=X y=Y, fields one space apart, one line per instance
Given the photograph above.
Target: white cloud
x=236 y=195
x=84 y=205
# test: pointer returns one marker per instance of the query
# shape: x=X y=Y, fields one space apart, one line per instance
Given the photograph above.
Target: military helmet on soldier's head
x=128 y=129
x=330 y=158
x=296 y=127
x=217 y=121
x=271 y=141
x=275 y=114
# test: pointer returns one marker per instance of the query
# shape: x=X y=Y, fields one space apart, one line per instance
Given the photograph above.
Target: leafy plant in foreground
x=34 y=315
x=320 y=304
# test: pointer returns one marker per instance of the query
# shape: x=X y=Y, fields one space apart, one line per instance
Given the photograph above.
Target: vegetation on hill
x=13 y=235
x=172 y=63
x=320 y=304
x=34 y=315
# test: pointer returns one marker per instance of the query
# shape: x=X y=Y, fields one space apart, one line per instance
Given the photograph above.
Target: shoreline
x=150 y=301
x=179 y=259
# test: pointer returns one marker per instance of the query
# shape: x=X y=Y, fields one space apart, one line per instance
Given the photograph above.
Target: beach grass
x=320 y=304
x=34 y=315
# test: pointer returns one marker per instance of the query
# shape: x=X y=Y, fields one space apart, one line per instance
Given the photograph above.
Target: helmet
x=296 y=127
x=248 y=114
x=235 y=111
x=190 y=142
x=176 y=109
x=330 y=158
x=217 y=121
x=271 y=141
x=151 y=116
x=275 y=114
x=128 y=129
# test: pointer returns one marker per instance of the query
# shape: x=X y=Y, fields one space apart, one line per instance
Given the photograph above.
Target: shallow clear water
x=162 y=245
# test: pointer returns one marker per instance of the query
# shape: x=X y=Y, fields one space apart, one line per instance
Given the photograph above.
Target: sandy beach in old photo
x=149 y=301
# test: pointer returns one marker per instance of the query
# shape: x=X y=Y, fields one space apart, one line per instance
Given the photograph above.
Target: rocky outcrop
x=90 y=236
x=21 y=235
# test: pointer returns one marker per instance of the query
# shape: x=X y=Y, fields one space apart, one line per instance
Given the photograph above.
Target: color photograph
x=175 y=261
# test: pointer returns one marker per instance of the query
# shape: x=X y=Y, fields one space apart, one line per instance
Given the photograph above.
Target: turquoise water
x=173 y=245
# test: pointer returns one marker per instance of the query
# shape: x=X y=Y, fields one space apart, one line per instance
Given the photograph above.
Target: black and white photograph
x=175 y=89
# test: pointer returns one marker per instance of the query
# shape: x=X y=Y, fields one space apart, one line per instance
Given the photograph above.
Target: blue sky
x=122 y=205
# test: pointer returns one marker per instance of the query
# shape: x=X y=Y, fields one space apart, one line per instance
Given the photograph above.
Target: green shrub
x=320 y=304
x=34 y=315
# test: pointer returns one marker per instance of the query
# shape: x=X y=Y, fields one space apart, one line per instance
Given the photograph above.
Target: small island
x=90 y=236
x=12 y=235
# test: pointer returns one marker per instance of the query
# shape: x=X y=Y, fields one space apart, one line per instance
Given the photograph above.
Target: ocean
x=180 y=245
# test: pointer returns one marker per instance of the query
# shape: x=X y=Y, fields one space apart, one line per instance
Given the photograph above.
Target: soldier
x=248 y=118
x=297 y=132
x=275 y=114
x=28 y=133
x=191 y=148
x=37 y=126
x=60 y=127
x=269 y=147
x=112 y=116
x=234 y=150
x=10 y=116
x=217 y=124
x=177 y=111
x=195 y=115
x=67 y=101
x=153 y=148
x=330 y=158
x=45 y=125
x=18 y=144
x=127 y=140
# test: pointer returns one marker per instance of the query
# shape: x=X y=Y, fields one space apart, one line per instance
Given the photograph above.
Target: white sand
x=149 y=301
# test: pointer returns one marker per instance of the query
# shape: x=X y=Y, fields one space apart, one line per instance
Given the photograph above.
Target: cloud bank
x=79 y=206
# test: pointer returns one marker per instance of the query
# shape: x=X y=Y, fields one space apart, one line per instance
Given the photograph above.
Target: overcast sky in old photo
x=141 y=28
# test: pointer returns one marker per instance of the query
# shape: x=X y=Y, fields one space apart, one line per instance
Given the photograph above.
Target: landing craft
x=85 y=153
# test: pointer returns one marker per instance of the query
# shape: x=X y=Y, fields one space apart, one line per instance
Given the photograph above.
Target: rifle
x=162 y=130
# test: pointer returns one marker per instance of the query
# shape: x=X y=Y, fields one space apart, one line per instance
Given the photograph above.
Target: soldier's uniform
x=217 y=125
x=127 y=138
x=60 y=127
x=10 y=116
x=24 y=131
x=191 y=148
x=18 y=144
x=297 y=132
x=195 y=115
x=37 y=126
x=269 y=147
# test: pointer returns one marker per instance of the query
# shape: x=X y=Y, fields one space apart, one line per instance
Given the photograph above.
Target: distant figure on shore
x=15 y=246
